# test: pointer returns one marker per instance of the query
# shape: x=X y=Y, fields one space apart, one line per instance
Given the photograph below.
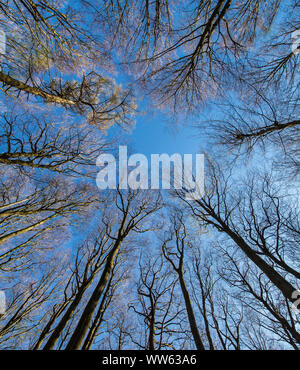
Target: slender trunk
x=63 y=322
x=97 y=321
x=284 y=286
x=151 y=339
x=190 y=313
x=47 y=328
x=211 y=345
x=152 y=331
x=86 y=317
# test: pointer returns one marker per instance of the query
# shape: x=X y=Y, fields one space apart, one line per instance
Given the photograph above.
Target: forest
x=83 y=268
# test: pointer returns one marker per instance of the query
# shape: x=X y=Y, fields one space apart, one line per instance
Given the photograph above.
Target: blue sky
x=153 y=134
x=156 y=133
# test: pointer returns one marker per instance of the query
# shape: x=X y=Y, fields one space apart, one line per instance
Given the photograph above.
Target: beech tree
x=255 y=220
x=134 y=269
x=134 y=207
x=44 y=45
x=99 y=269
x=30 y=141
x=28 y=215
x=256 y=292
x=25 y=304
x=187 y=57
x=176 y=258
x=157 y=307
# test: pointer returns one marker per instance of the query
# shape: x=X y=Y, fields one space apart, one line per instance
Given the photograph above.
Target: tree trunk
x=8 y=80
x=47 y=328
x=86 y=317
x=284 y=286
x=97 y=322
x=63 y=322
x=190 y=313
x=152 y=331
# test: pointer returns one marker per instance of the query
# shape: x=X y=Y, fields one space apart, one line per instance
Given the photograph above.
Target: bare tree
x=108 y=299
x=252 y=223
x=134 y=207
x=34 y=142
x=257 y=293
x=260 y=120
x=175 y=256
x=188 y=56
x=28 y=214
x=89 y=259
x=44 y=45
x=25 y=304
x=157 y=307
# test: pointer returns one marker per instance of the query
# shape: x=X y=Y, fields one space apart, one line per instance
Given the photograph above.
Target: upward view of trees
x=140 y=269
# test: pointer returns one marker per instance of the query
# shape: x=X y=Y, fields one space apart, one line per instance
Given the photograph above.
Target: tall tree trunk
x=190 y=312
x=284 y=286
x=206 y=322
x=47 y=328
x=97 y=321
x=63 y=322
x=151 y=339
x=86 y=317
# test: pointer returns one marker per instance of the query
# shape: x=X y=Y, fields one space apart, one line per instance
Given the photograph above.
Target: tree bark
x=8 y=80
x=97 y=321
x=190 y=313
x=63 y=322
x=284 y=286
x=86 y=317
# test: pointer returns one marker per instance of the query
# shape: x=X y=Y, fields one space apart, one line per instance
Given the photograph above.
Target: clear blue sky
x=155 y=133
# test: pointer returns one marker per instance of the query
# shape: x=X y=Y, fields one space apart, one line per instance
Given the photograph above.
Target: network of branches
x=140 y=269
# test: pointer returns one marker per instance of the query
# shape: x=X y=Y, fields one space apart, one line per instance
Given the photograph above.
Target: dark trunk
x=86 y=317
x=190 y=313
